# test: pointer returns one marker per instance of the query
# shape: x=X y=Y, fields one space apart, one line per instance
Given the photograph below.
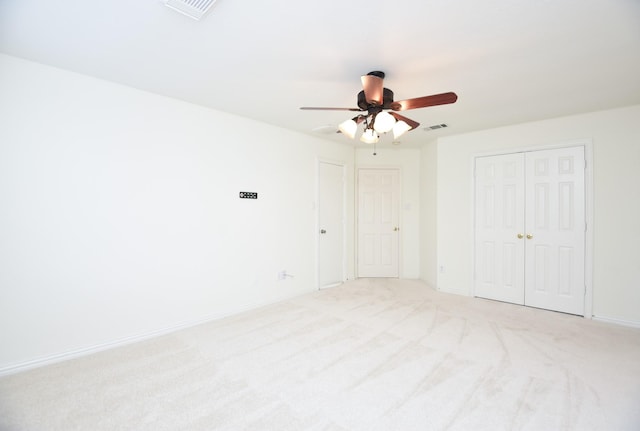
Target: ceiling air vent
x=435 y=127
x=191 y=8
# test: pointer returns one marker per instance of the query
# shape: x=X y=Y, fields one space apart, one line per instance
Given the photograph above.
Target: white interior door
x=499 y=227
x=330 y=224
x=530 y=229
x=378 y=222
x=555 y=224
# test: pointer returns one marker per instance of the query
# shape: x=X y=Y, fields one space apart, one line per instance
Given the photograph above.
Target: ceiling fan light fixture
x=369 y=136
x=400 y=128
x=383 y=122
x=348 y=128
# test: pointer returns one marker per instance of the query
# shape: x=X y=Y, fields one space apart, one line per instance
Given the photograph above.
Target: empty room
x=326 y=216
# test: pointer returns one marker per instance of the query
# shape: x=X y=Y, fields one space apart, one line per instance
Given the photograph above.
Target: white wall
x=408 y=161
x=120 y=213
x=428 y=213
x=616 y=175
x=120 y=217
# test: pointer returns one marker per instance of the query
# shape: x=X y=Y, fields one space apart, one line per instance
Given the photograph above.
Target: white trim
x=472 y=289
x=343 y=165
x=85 y=351
x=588 y=235
x=550 y=146
x=615 y=321
x=587 y=143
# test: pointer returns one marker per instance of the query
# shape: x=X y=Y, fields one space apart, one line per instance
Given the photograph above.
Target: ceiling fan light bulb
x=400 y=128
x=369 y=136
x=348 y=128
x=383 y=122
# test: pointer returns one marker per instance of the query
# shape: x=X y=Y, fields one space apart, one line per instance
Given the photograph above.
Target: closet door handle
x=520 y=236
x=529 y=236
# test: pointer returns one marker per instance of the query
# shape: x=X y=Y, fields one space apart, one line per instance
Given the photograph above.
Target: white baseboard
x=72 y=354
x=622 y=322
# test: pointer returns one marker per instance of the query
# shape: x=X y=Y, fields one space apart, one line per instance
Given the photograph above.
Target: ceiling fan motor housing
x=387 y=100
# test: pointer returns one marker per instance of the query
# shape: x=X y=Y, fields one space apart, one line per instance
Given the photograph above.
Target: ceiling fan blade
x=313 y=108
x=372 y=86
x=409 y=121
x=423 y=102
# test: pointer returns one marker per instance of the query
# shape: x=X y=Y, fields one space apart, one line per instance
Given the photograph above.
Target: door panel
x=378 y=216
x=557 y=235
x=499 y=218
x=331 y=224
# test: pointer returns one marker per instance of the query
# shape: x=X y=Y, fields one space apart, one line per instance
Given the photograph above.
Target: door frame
x=343 y=165
x=587 y=143
x=357 y=210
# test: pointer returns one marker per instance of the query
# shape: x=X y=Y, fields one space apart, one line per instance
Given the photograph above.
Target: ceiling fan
x=375 y=101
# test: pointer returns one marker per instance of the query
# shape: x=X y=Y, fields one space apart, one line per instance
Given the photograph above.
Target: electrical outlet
x=441 y=269
x=282 y=275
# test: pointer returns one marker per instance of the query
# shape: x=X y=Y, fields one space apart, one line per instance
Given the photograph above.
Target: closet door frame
x=588 y=177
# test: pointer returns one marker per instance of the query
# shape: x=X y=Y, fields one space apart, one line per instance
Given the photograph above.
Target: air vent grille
x=191 y=8
x=435 y=127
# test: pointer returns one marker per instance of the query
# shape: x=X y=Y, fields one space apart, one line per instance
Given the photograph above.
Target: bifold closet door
x=530 y=229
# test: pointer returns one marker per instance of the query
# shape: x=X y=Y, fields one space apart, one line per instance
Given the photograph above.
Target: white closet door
x=555 y=228
x=530 y=229
x=499 y=219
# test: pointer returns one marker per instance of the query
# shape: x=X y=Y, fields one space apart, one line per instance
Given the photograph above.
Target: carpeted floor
x=370 y=355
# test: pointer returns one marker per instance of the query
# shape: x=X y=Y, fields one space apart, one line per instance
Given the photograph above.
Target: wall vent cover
x=435 y=127
x=191 y=8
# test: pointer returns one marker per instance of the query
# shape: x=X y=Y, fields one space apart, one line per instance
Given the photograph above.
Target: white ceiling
x=509 y=61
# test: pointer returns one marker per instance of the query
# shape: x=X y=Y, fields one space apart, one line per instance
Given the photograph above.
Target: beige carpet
x=368 y=355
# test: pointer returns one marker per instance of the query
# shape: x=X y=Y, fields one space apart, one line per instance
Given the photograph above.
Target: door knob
x=529 y=236
x=396 y=229
x=323 y=231
x=520 y=236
